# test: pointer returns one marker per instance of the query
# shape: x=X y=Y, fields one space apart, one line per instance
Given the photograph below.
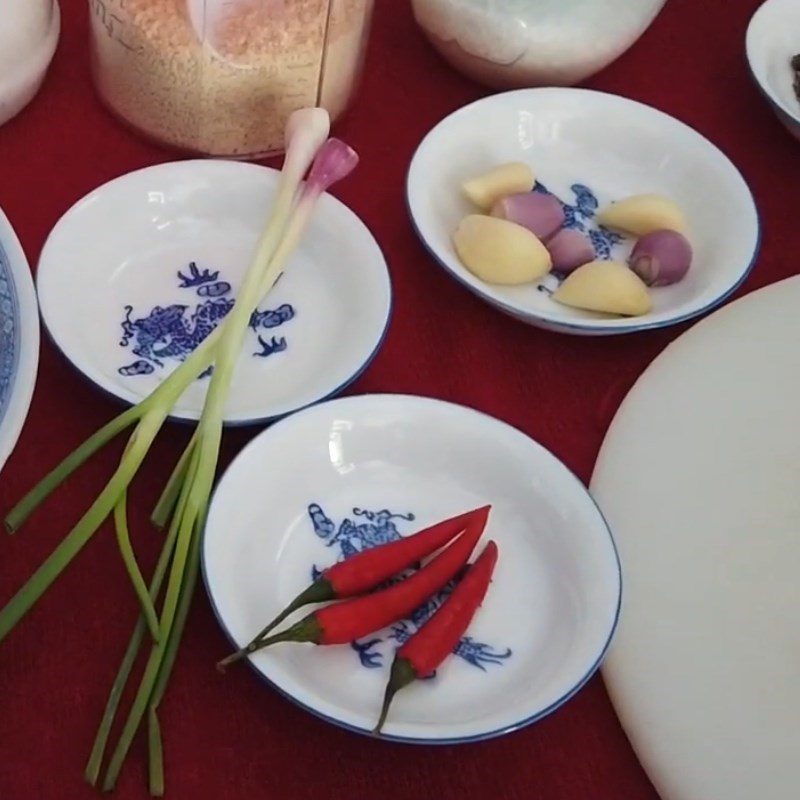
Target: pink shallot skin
x=661 y=258
x=541 y=214
x=570 y=249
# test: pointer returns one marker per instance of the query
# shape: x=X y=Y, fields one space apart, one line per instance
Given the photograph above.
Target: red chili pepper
x=430 y=645
x=344 y=622
x=369 y=568
x=366 y=570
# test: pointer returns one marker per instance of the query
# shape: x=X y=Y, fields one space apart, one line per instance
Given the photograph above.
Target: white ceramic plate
x=771 y=43
x=19 y=338
x=363 y=469
x=149 y=262
x=698 y=477
x=589 y=149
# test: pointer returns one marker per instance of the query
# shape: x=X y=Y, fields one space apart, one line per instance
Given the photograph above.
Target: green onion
x=307 y=130
x=334 y=161
x=134 y=573
x=155 y=755
x=98 y=749
x=184 y=501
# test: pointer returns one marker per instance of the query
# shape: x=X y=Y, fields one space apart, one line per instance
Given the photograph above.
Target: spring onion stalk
x=132 y=566
x=186 y=466
x=98 y=749
x=177 y=600
x=334 y=161
x=184 y=502
x=138 y=445
x=20 y=513
x=306 y=130
x=155 y=755
x=169 y=497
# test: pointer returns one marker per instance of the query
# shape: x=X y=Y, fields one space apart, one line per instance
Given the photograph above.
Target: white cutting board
x=699 y=478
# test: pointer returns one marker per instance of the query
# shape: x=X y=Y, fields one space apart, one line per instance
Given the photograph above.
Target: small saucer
x=346 y=475
x=589 y=149
x=137 y=273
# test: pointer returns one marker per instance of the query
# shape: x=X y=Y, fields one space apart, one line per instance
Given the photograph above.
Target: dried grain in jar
x=228 y=91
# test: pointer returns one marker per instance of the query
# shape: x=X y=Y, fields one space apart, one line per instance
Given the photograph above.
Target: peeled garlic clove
x=498 y=251
x=643 y=214
x=485 y=190
x=541 y=214
x=607 y=286
x=661 y=258
x=570 y=249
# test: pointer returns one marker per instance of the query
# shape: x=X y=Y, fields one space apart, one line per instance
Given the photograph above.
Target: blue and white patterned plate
x=363 y=470
x=19 y=338
x=140 y=271
x=588 y=148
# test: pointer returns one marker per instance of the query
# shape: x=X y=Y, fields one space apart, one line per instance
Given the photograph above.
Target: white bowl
x=611 y=147
x=28 y=39
x=346 y=474
x=19 y=338
x=128 y=284
x=772 y=41
x=533 y=42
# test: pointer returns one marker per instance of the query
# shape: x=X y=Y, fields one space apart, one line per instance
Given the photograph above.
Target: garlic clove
x=643 y=214
x=605 y=286
x=500 y=252
x=485 y=190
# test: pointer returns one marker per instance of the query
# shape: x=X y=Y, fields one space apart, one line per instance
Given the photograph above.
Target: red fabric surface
x=234 y=738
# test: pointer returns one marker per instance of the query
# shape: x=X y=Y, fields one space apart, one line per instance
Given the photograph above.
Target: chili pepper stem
x=306 y=630
x=402 y=675
x=319 y=592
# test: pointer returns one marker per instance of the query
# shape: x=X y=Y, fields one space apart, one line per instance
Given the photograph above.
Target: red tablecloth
x=234 y=738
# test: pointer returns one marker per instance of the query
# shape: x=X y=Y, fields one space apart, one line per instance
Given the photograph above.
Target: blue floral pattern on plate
x=368 y=529
x=174 y=331
x=9 y=332
x=580 y=215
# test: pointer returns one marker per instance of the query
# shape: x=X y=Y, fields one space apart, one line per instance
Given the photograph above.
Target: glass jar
x=220 y=77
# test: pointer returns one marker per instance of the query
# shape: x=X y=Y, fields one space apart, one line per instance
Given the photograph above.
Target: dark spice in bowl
x=796 y=67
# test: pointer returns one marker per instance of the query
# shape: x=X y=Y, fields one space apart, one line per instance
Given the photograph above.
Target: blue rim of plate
x=480 y=737
x=558 y=325
x=9 y=332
